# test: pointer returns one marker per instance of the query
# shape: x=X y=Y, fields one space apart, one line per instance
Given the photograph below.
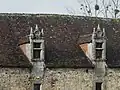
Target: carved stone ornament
x=37 y=33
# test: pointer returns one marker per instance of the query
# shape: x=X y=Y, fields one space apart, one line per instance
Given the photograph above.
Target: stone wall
x=113 y=79
x=68 y=79
x=78 y=79
x=57 y=79
x=15 y=79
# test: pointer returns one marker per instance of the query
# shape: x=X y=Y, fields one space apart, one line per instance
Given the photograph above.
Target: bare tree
x=96 y=8
x=86 y=7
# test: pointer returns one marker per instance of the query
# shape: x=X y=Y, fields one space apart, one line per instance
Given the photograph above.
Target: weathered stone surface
x=113 y=79
x=68 y=79
x=79 y=79
x=57 y=79
x=15 y=79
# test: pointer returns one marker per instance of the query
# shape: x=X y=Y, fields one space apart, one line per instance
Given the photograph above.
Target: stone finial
x=42 y=32
x=98 y=27
x=94 y=33
x=93 y=30
x=104 y=34
x=37 y=33
x=36 y=27
x=99 y=33
x=31 y=32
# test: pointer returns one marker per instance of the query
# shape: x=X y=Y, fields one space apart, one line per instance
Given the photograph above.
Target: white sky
x=43 y=6
x=37 y=6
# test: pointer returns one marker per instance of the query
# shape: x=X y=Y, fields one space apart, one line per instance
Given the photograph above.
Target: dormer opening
x=98 y=53
x=36 y=54
x=98 y=45
x=98 y=86
x=36 y=45
x=37 y=86
x=36 y=50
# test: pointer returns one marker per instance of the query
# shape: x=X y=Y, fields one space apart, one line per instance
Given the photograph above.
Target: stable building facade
x=57 y=52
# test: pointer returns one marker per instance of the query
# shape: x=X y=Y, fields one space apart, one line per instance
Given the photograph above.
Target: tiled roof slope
x=62 y=34
x=10 y=54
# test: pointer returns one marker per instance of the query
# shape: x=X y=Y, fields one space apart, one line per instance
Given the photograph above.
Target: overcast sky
x=45 y=6
x=37 y=6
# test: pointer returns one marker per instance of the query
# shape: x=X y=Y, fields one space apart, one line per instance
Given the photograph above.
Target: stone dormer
x=98 y=44
x=99 y=57
x=37 y=44
x=95 y=50
x=37 y=51
x=34 y=48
